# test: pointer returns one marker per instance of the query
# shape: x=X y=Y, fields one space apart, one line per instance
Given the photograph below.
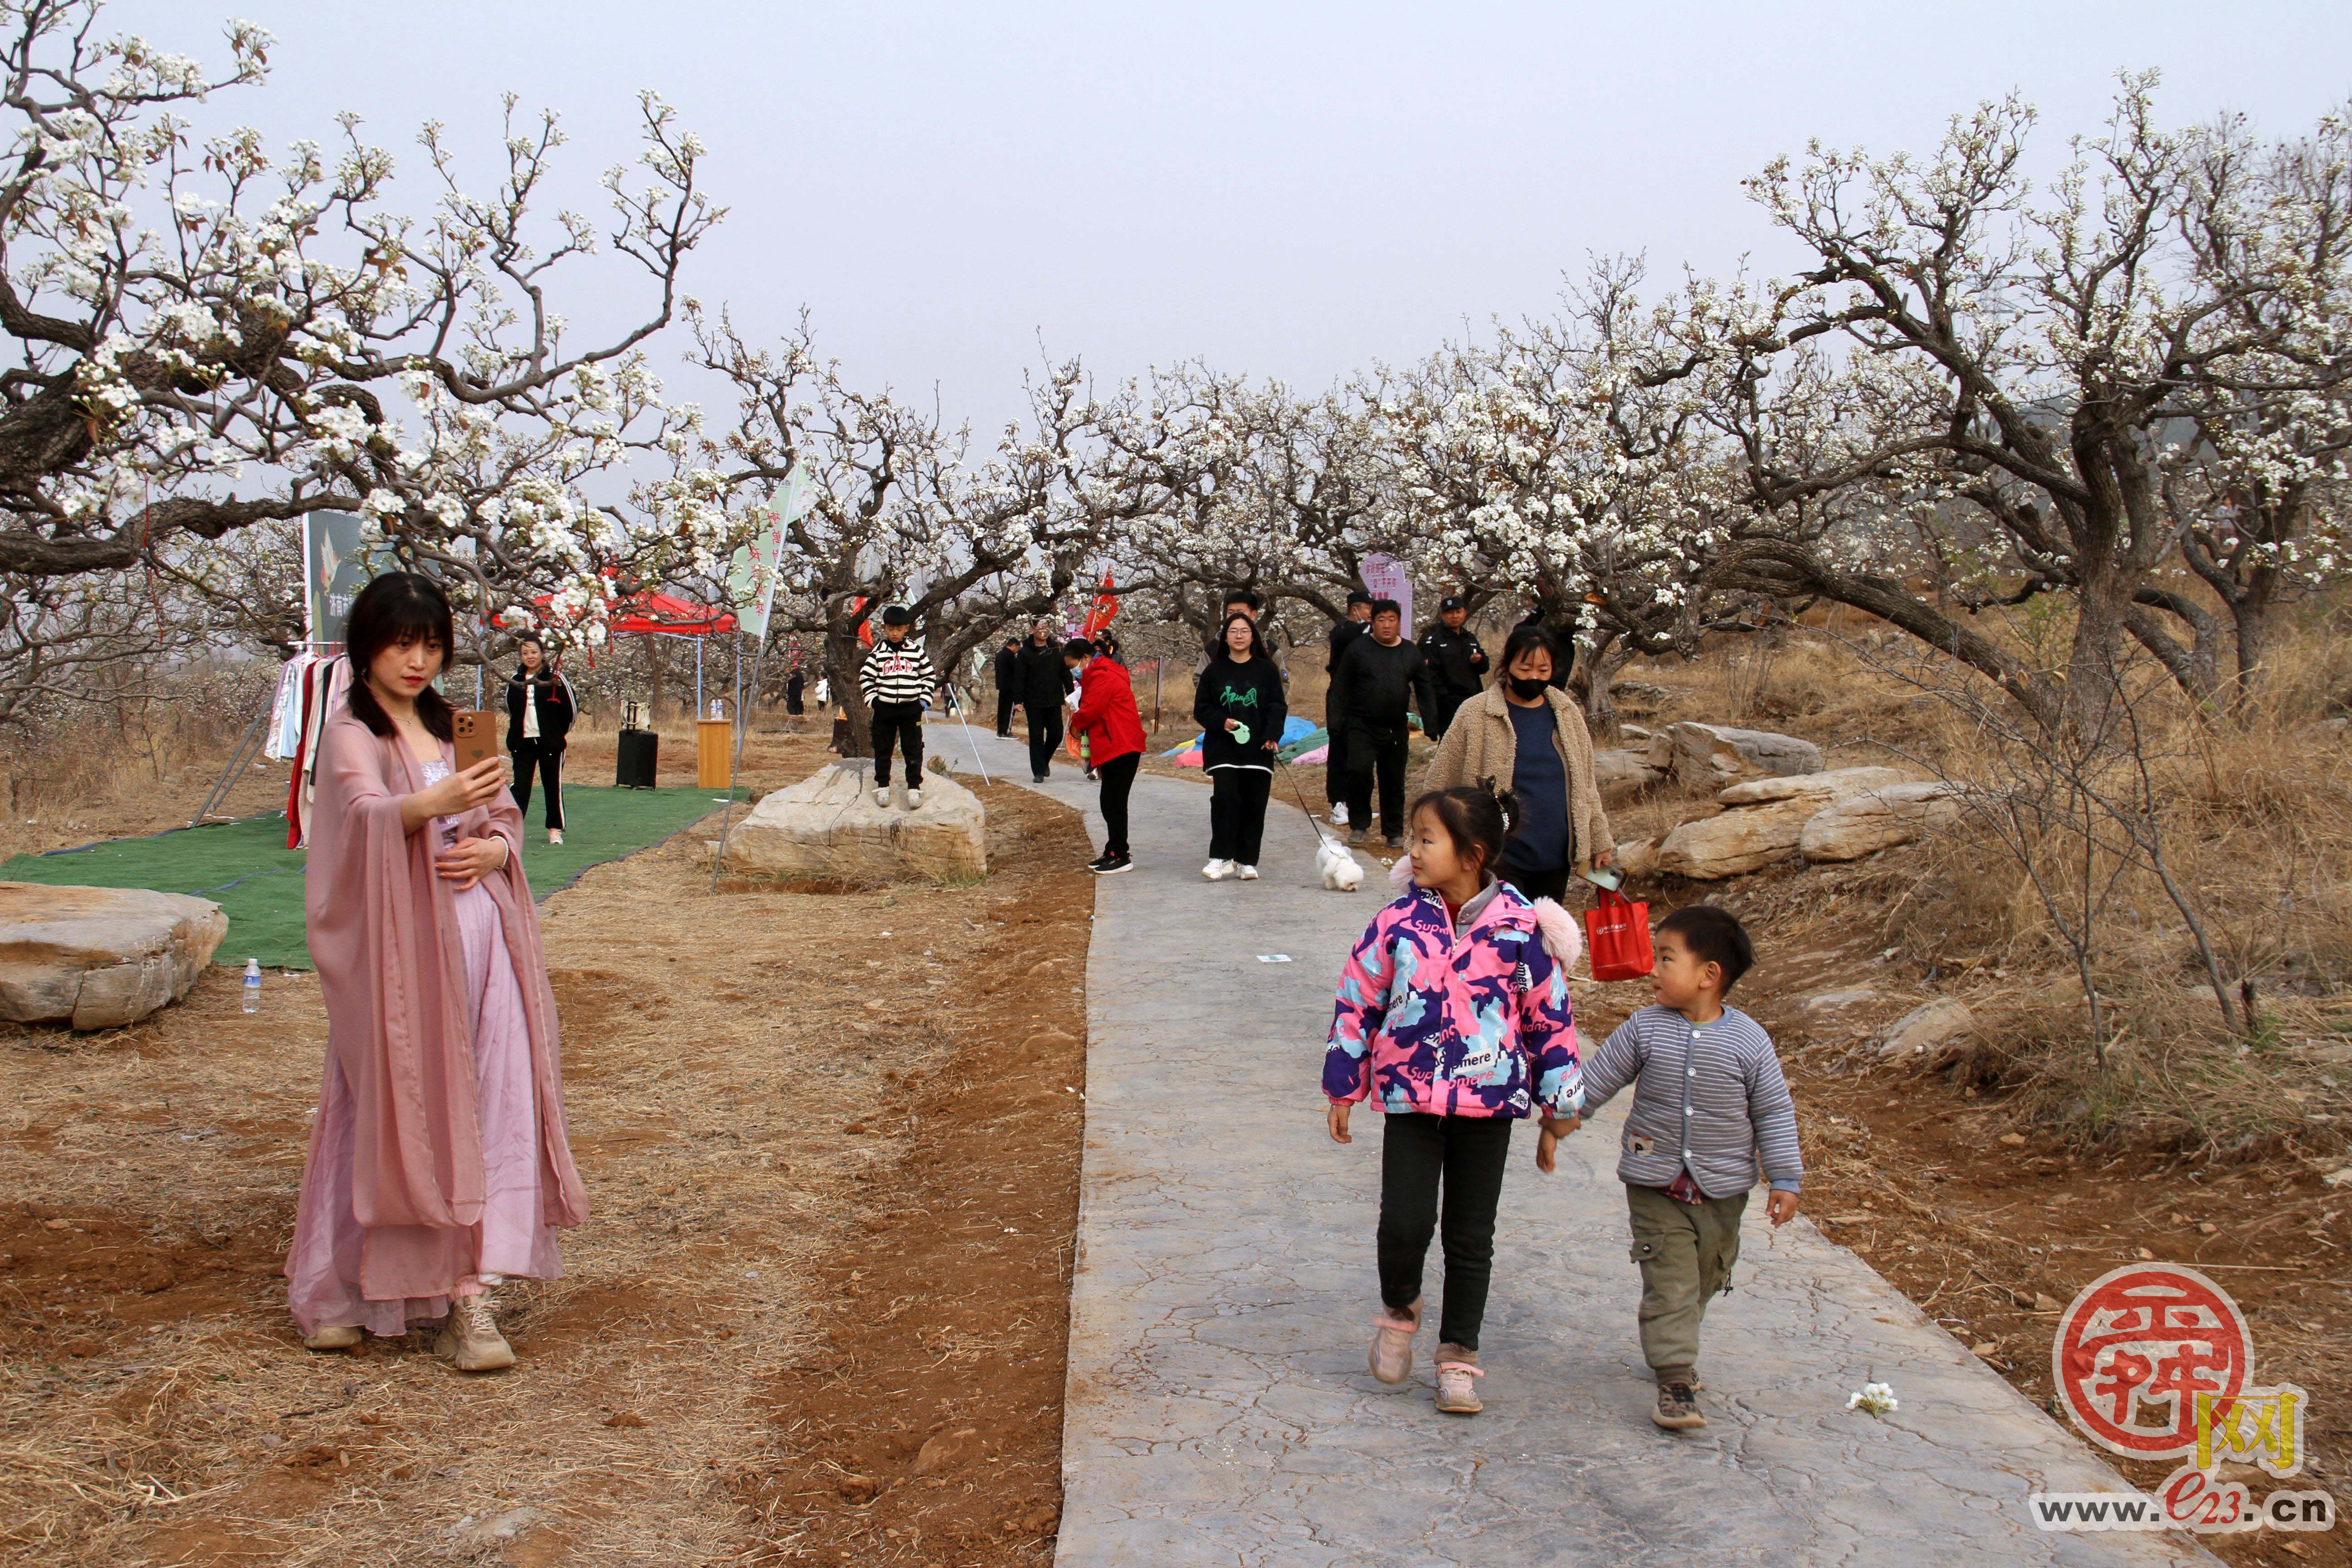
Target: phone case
x=473 y=736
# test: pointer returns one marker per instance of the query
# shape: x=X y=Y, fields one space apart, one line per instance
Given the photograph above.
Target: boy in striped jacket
x=897 y=682
x=1707 y=1096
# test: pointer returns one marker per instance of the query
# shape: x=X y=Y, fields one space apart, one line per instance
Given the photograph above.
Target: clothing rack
x=235 y=769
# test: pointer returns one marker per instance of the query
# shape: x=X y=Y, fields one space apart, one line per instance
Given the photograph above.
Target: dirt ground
x=818 y=1314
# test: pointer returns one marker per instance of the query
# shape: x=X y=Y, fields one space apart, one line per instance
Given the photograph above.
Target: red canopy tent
x=659 y=615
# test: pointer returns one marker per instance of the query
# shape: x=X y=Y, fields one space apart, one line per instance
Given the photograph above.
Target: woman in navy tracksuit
x=1241 y=709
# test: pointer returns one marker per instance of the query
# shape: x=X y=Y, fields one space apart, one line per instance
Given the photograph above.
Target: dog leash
x=1313 y=827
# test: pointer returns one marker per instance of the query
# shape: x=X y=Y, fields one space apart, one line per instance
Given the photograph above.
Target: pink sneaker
x=1457 y=1393
x=1392 y=1356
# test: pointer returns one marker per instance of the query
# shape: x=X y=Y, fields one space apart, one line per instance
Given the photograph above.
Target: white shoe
x=555 y=835
x=1340 y=814
x=882 y=796
x=1217 y=871
x=1246 y=873
x=914 y=800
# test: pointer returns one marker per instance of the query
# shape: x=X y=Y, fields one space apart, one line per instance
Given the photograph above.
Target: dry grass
x=737 y=1133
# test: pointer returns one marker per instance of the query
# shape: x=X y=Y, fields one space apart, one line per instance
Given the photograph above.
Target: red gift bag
x=1617 y=933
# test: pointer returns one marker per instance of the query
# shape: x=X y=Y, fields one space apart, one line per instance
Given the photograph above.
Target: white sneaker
x=1217 y=871
x=914 y=800
x=555 y=835
x=882 y=795
x=1246 y=873
x=1340 y=814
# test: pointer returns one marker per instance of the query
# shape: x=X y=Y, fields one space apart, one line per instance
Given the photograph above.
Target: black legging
x=1118 y=777
x=549 y=760
x=1045 y=736
x=1237 y=813
x=1470 y=1154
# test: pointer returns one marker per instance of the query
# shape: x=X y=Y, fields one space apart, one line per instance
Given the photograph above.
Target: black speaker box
x=638 y=751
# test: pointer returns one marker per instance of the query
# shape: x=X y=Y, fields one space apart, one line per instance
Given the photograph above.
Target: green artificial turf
x=246 y=867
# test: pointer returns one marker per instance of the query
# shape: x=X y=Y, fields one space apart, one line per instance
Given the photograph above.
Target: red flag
x=1106 y=606
x=865 y=627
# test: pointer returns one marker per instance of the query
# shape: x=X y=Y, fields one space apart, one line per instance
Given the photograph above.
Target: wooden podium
x=714 y=754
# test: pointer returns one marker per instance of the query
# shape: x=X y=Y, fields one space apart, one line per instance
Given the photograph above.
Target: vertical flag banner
x=752 y=573
x=1385 y=577
x=1106 y=608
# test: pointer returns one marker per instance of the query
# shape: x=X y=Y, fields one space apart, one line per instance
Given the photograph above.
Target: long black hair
x=397 y=609
x=1257 y=639
x=1477 y=820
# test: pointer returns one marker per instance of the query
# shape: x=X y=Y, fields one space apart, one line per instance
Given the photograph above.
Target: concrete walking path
x=1219 y=1410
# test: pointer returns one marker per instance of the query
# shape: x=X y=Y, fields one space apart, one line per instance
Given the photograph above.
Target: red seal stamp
x=2135 y=1349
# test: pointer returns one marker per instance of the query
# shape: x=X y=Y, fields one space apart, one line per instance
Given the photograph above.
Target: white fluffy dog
x=1342 y=871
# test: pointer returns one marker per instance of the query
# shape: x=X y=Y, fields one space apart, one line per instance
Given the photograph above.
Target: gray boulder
x=1862 y=825
x=1621 y=774
x=1762 y=824
x=827 y=825
x=1709 y=756
x=101 y=957
x=1933 y=1031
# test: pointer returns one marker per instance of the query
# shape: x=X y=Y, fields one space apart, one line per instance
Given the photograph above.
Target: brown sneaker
x=470 y=1339
x=1457 y=1390
x=1392 y=1356
x=1677 y=1408
x=332 y=1337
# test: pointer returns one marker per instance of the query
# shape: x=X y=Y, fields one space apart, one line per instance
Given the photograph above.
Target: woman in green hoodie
x=1239 y=704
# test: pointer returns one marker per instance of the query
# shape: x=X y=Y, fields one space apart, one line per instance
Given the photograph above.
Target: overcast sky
x=1295 y=190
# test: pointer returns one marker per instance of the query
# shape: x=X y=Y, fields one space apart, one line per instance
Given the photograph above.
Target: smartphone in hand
x=473 y=733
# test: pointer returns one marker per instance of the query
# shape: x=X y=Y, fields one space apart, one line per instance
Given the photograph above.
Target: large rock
x=1815 y=789
x=828 y=826
x=1933 y=1031
x=1763 y=823
x=101 y=957
x=1638 y=858
x=1880 y=820
x=1621 y=774
x=1708 y=756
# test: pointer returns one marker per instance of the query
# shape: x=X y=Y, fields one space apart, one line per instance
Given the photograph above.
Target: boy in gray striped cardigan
x=1708 y=1097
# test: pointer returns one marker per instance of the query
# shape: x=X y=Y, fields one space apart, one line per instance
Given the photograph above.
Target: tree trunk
x=1599 y=665
x=842 y=657
x=2255 y=613
x=2092 y=688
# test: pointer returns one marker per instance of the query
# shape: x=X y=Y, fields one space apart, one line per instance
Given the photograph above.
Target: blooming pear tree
x=210 y=338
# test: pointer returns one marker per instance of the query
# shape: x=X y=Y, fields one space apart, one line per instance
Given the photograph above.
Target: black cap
x=1450 y=602
x=1357 y=596
x=898 y=615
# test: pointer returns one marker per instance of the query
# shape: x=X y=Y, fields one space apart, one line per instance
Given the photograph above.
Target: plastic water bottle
x=253 y=986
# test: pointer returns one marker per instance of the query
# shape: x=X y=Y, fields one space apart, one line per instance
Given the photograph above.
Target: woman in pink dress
x=439 y=1163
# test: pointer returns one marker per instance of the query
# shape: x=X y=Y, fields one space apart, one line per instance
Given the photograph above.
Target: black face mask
x=1527 y=690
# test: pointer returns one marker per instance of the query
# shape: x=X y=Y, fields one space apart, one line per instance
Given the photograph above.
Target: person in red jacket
x=1106 y=720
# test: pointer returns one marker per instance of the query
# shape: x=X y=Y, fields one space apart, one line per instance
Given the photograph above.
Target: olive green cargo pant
x=1685 y=1251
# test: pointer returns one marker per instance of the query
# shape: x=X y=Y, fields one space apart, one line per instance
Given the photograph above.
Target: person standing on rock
x=1111 y=725
x=1046 y=682
x=1379 y=676
x=1526 y=735
x=1358 y=623
x=1239 y=705
x=538 y=715
x=897 y=682
x=1457 y=664
x=1453 y=1014
x=1708 y=1098
x=1007 y=671
x=439 y=1164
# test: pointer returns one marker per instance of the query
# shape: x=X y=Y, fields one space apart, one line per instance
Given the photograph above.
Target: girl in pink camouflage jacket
x=1454 y=1012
